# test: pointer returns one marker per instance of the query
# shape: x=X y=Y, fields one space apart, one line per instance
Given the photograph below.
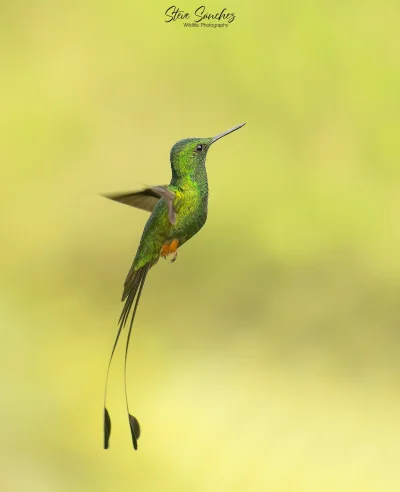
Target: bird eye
x=199 y=148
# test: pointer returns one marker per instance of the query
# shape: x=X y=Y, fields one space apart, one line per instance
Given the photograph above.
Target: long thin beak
x=226 y=133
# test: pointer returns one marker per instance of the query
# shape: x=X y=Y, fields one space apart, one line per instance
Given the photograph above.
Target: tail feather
x=133 y=423
x=130 y=296
x=132 y=289
x=130 y=281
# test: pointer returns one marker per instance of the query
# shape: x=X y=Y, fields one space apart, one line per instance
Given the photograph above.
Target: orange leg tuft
x=170 y=249
x=173 y=246
x=164 y=250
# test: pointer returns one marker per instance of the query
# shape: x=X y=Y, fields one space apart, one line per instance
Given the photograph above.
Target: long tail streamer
x=133 y=289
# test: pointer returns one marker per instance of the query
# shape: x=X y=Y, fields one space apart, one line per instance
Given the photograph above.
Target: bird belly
x=189 y=221
x=161 y=238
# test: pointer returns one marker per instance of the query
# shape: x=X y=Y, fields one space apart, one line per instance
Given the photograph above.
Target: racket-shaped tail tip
x=135 y=430
x=107 y=428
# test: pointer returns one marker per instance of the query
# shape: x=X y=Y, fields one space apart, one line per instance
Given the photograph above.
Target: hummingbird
x=178 y=212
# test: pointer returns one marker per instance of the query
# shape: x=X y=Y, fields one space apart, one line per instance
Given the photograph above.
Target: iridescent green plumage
x=178 y=212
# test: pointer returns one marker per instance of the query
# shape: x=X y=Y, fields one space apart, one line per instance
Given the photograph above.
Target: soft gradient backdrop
x=267 y=357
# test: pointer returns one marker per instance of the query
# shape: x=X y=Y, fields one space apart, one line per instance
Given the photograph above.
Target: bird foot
x=173 y=257
x=170 y=257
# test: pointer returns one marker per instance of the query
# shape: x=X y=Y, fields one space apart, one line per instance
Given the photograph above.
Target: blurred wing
x=147 y=199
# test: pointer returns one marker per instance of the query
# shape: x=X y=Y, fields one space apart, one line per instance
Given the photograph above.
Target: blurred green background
x=267 y=357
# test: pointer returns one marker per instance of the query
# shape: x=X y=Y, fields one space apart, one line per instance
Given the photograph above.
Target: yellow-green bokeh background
x=267 y=357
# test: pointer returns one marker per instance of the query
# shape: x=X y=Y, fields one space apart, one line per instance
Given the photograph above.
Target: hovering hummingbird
x=178 y=212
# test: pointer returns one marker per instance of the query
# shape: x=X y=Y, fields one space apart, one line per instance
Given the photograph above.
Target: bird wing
x=147 y=199
x=144 y=199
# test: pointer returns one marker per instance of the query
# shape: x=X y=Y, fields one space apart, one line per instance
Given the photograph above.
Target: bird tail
x=132 y=290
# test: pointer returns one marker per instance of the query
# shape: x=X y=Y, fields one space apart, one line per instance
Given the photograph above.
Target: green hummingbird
x=178 y=212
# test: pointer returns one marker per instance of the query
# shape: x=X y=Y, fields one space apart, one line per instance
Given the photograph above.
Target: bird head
x=190 y=153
